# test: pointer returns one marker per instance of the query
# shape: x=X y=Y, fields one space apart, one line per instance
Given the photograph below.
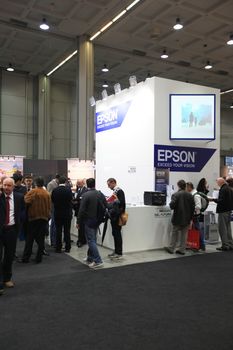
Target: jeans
x=200 y=227
x=52 y=230
x=93 y=253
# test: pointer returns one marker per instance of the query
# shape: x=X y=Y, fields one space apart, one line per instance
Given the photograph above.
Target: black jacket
x=225 y=199
x=19 y=207
x=62 y=202
x=183 y=204
x=88 y=206
x=77 y=199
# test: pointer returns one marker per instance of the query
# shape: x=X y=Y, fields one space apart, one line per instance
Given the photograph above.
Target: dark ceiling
x=132 y=46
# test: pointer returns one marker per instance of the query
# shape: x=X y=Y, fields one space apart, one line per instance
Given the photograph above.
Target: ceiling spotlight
x=104 y=94
x=132 y=81
x=208 y=65
x=230 y=41
x=44 y=25
x=178 y=25
x=105 y=84
x=231 y=106
x=117 y=88
x=10 y=68
x=105 y=68
x=164 y=54
x=92 y=101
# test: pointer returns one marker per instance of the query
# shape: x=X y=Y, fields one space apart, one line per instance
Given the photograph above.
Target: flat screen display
x=229 y=161
x=192 y=117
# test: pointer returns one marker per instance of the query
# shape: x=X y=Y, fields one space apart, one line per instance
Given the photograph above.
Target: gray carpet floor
x=173 y=304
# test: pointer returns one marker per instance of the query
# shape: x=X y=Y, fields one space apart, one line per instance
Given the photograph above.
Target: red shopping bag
x=193 y=239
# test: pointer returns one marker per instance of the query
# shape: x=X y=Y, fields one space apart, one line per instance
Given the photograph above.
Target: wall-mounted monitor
x=192 y=116
x=228 y=161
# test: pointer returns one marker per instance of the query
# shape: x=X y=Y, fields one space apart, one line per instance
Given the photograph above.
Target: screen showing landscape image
x=192 y=117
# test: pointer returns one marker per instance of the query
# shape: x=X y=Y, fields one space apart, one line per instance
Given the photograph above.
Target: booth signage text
x=177 y=158
x=112 y=118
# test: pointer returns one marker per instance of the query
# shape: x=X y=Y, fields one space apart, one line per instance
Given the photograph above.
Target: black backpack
x=101 y=215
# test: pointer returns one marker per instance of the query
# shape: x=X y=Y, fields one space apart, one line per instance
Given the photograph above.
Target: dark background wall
x=45 y=168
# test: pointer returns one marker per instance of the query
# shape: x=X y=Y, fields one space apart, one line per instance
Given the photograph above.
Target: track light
x=132 y=80
x=105 y=84
x=208 y=65
x=117 y=88
x=10 y=68
x=92 y=101
x=178 y=25
x=230 y=41
x=164 y=54
x=104 y=94
x=44 y=25
x=105 y=68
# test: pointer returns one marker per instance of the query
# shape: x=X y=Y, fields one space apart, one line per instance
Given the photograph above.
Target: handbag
x=123 y=218
x=193 y=239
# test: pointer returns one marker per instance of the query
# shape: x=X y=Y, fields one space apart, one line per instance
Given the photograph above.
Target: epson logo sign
x=176 y=156
x=179 y=158
x=107 y=117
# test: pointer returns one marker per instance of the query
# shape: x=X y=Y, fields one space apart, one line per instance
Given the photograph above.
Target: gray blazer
x=183 y=206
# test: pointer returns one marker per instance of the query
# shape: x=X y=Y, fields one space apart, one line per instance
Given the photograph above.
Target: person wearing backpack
x=91 y=212
x=198 y=207
x=203 y=189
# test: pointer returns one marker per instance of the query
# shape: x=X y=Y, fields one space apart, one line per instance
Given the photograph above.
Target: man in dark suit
x=62 y=201
x=11 y=207
x=116 y=207
x=80 y=190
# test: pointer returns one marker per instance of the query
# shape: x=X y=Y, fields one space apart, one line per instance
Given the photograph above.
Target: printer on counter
x=154 y=198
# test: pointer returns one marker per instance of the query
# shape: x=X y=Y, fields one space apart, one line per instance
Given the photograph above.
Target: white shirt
x=12 y=207
x=197 y=200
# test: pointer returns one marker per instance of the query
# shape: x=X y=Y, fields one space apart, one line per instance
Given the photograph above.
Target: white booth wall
x=164 y=87
x=126 y=153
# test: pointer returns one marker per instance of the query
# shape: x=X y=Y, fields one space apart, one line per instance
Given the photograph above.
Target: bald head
x=220 y=181
x=8 y=185
x=80 y=183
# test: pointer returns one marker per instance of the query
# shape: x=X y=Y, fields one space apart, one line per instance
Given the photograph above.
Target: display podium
x=148 y=227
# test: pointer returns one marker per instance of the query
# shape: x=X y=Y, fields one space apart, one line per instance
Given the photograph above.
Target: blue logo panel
x=177 y=158
x=112 y=118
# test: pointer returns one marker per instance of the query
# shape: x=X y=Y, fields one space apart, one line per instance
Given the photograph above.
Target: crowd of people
x=29 y=211
x=188 y=210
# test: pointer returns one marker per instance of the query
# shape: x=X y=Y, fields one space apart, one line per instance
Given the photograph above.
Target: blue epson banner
x=112 y=118
x=177 y=158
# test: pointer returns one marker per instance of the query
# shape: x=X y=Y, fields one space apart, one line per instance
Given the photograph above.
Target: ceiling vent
x=18 y=23
x=222 y=72
x=139 y=53
x=184 y=63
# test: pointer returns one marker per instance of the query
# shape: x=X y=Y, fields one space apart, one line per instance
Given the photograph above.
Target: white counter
x=143 y=231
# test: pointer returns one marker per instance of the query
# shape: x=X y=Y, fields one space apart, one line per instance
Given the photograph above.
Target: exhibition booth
x=148 y=137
